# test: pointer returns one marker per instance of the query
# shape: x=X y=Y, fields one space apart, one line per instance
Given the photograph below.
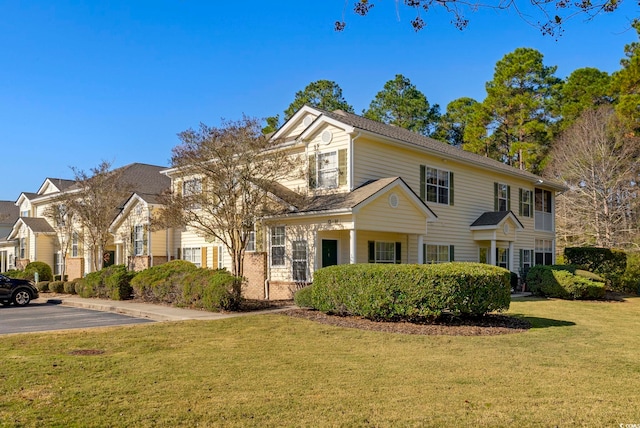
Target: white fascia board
x=323 y=120
x=293 y=120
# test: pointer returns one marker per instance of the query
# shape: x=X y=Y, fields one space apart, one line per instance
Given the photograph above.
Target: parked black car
x=17 y=291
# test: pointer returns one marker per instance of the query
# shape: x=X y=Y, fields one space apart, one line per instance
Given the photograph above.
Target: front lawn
x=578 y=366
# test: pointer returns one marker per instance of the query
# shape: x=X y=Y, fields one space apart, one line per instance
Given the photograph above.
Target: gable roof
x=35 y=224
x=350 y=201
x=9 y=212
x=404 y=136
x=61 y=184
x=492 y=219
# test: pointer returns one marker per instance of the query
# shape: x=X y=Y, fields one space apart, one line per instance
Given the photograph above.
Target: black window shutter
x=451 y=253
x=398 y=252
x=450 y=188
x=508 y=198
x=495 y=196
x=520 y=203
x=372 y=252
x=423 y=182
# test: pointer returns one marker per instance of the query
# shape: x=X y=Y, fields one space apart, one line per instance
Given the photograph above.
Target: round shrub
x=391 y=292
x=69 y=287
x=43 y=269
x=112 y=282
x=565 y=282
x=43 y=286
x=163 y=283
x=56 y=286
x=303 y=297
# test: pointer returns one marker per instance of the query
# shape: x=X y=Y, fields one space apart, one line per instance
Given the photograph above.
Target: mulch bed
x=488 y=325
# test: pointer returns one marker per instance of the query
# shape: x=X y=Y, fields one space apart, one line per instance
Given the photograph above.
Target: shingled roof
x=493 y=218
x=37 y=225
x=447 y=150
x=9 y=212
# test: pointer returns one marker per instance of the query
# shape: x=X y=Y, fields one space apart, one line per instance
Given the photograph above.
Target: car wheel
x=21 y=298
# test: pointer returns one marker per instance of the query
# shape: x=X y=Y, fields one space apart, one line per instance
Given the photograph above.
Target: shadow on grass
x=537 y=322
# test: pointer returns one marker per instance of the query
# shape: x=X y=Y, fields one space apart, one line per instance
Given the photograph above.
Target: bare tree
x=597 y=160
x=228 y=176
x=94 y=200
x=61 y=219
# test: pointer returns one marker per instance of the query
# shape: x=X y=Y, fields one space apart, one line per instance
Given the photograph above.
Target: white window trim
x=437 y=185
x=438 y=248
x=193 y=255
x=377 y=251
x=283 y=245
x=322 y=169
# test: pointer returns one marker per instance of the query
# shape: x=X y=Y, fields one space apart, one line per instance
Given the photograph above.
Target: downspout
x=268 y=276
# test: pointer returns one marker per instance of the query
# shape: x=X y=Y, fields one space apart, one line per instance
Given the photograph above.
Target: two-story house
x=8 y=216
x=375 y=193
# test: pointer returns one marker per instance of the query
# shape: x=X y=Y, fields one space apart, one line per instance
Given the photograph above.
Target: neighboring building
x=8 y=215
x=376 y=193
x=36 y=238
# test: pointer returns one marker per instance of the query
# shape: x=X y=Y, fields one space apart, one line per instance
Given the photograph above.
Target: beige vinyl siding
x=297 y=179
x=339 y=141
x=45 y=248
x=473 y=190
x=380 y=216
x=299 y=127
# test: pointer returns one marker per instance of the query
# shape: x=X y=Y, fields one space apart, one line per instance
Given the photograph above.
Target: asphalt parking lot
x=44 y=316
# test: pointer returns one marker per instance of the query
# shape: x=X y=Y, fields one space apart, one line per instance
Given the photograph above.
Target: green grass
x=578 y=366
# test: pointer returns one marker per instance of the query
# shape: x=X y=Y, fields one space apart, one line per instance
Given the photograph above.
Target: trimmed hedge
x=43 y=286
x=181 y=283
x=112 y=282
x=393 y=292
x=609 y=263
x=43 y=269
x=565 y=282
x=630 y=281
x=69 y=287
x=56 y=286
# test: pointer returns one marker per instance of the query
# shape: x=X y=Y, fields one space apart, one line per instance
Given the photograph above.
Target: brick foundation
x=283 y=290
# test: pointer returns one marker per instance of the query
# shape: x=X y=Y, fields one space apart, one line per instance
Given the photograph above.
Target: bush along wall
x=181 y=283
x=395 y=292
x=611 y=264
x=113 y=282
x=565 y=282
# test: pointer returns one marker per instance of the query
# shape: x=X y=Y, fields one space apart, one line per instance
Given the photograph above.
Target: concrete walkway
x=146 y=310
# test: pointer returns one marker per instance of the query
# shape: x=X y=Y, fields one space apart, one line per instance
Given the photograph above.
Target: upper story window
x=74 y=244
x=328 y=170
x=502 y=197
x=191 y=189
x=526 y=203
x=436 y=185
x=543 y=210
x=24 y=213
x=251 y=241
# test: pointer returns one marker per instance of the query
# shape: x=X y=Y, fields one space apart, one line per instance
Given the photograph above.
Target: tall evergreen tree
x=401 y=104
x=453 y=123
x=626 y=85
x=518 y=110
x=584 y=89
x=324 y=94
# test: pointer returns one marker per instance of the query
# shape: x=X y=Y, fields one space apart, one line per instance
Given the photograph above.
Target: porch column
x=511 y=266
x=420 y=249
x=352 y=246
x=492 y=253
x=315 y=253
x=118 y=259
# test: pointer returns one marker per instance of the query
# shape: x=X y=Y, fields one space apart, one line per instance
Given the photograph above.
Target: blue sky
x=82 y=82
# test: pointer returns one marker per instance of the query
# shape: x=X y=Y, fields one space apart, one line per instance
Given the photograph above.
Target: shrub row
x=181 y=283
x=565 y=282
x=113 y=282
x=392 y=292
x=609 y=263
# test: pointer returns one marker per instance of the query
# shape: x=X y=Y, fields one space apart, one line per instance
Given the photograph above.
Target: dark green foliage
x=112 y=282
x=181 y=283
x=43 y=286
x=565 y=282
x=611 y=264
x=43 y=269
x=304 y=297
x=56 y=287
x=630 y=280
x=69 y=287
x=59 y=278
x=513 y=280
x=391 y=292
x=14 y=273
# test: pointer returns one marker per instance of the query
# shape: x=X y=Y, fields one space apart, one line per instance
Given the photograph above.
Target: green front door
x=329 y=252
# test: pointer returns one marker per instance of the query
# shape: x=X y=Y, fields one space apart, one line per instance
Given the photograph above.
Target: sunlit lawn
x=579 y=365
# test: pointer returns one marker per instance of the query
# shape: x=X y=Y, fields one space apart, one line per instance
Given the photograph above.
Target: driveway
x=44 y=316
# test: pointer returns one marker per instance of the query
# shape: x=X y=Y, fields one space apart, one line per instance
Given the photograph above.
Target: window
x=502 y=197
x=277 y=246
x=57 y=263
x=438 y=253
x=385 y=252
x=299 y=260
x=502 y=257
x=436 y=185
x=190 y=191
x=251 y=241
x=543 y=210
x=526 y=261
x=23 y=247
x=327 y=170
x=138 y=240
x=221 y=250
x=526 y=200
x=24 y=213
x=74 y=244
x=193 y=255
x=544 y=252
